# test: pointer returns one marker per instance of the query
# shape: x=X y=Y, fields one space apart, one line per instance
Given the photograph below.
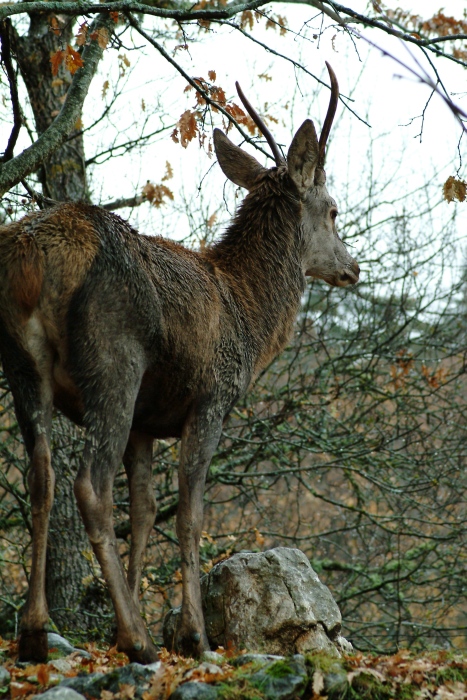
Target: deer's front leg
x=200 y=438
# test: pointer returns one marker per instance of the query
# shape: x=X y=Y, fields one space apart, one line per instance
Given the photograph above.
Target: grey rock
x=56 y=641
x=258 y=659
x=271 y=602
x=336 y=684
x=194 y=691
x=203 y=668
x=4 y=677
x=344 y=645
x=213 y=657
x=281 y=680
x=60 y=665
x=60 y=693
x=93 y=684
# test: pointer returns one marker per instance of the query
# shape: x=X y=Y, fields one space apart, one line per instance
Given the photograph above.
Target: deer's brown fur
x=135 y=338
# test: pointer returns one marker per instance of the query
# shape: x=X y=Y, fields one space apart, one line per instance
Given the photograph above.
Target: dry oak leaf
x=73 y=60
x=82 y=34
x=54 y=26
x=101 y=35
x=56 y=59
x=156 y=193
x=212 y=75
x=188 y=127
x=454 y=189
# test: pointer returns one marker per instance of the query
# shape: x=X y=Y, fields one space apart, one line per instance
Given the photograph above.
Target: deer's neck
x=259 y=257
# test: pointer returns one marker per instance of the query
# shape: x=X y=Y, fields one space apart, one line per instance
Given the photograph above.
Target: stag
x=136 y=338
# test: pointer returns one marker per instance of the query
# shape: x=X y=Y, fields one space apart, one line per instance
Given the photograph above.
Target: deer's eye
x=333 y=214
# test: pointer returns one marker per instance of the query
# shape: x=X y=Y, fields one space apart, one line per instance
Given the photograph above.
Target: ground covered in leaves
x=106 y=675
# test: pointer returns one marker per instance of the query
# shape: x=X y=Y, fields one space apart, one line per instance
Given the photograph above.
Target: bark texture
x=62 y=175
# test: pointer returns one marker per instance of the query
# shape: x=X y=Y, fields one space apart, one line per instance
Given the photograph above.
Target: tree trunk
x=62 y=177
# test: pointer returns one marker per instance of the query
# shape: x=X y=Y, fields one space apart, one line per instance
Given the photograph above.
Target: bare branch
x=196 y=85
x=11 y=75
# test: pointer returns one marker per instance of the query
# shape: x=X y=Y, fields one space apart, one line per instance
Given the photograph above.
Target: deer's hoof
x=141 y=653
x=193 y=644
x=33 y=646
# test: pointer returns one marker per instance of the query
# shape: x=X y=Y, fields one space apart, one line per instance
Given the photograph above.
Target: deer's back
x=79 y=284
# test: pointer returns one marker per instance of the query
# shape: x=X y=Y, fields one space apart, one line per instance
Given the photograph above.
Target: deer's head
x=323 y=253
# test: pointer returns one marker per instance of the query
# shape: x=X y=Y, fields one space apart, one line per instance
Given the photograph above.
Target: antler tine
x=329 y=116
x=261 y=126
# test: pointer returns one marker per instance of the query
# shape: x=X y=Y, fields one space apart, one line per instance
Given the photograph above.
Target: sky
x=385 y=95
x=391 y=144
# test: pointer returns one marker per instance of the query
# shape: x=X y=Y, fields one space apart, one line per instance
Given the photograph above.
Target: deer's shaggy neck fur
x=259 y=256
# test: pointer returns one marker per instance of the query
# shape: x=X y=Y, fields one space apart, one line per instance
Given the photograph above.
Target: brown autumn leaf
x=260 y=540
x=82 y=34
x=454 y=189
x=169 y=173
x=105 y=87
x=56 y=59
x=124 y=59
x=188 y=127
x=73 y=60
x=43 y=674
x=156 y=193
x=19 y=690
x=212 y=220
x=212 y=75
x=115 y=16
x=239 y=115
x=54 y=26
x=101 y=35
x=247 y=19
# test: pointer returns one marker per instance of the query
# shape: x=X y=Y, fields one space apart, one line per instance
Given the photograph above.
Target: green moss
x=324 y=663
x=239 y=689
x=279 y=669
x=367 y=687
x=453 y=672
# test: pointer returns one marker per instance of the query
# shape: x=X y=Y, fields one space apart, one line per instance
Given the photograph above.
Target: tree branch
x=30 y=159
x=195 y=85
x=10 y=71
x=79 y=7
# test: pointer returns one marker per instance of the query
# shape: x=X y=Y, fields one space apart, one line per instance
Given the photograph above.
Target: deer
x=137 y=338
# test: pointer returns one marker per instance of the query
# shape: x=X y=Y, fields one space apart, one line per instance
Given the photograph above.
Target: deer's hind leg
x=138 y=462
x=27 y=367
x=109 y=401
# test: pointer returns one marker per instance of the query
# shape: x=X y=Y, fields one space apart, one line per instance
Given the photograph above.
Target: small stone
x=213 y=657
x=60 y=693
x=260 y=659
x=194 y=691
x=4 y=677
x=133 y=674
x=281 y=680
x=61 y=665
x=204 y=668
x=62 y=645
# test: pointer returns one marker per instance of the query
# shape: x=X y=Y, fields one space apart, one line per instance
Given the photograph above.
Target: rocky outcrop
x=272 y=602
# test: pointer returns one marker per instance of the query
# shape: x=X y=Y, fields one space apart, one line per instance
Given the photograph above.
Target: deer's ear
x=303 y=155
x=237 y=165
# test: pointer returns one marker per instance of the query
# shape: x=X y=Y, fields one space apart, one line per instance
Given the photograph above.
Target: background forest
x=352 y=445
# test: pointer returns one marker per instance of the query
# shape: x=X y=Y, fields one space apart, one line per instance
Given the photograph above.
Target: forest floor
x=228 y=675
